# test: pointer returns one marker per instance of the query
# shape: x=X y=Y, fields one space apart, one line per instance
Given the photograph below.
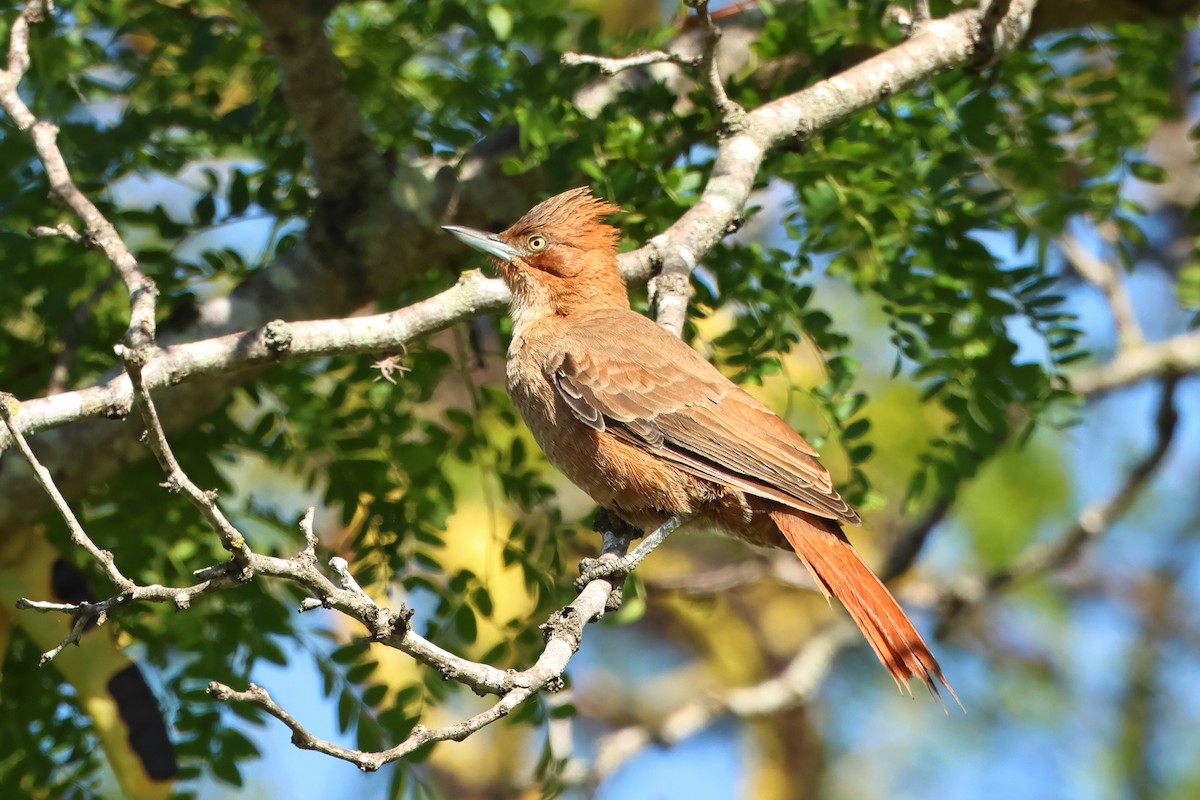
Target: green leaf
x=500 y=20
x=205 y=209
x=239 y=194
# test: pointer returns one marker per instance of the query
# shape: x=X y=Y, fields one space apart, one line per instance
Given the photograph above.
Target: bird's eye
x=537 y=242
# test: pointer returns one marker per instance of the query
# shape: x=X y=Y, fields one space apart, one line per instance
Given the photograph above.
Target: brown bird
x=649 y=429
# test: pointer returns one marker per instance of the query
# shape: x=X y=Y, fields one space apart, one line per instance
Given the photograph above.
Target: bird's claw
x=606 y=566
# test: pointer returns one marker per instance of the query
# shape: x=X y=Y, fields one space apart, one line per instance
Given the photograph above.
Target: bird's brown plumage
x=650 y=430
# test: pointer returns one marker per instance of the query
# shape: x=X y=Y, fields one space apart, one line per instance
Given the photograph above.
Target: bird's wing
x=620 y=373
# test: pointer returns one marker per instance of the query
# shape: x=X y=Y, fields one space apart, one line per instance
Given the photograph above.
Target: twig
x=79 y=537
x=920 y=13
x=1179 y=355
x=369 y=762
x=1091 y=523
x=733 y=116
x=612 y=66
x=177 y=479
x=59 y=231
x=1107 y=278
x=97 y=230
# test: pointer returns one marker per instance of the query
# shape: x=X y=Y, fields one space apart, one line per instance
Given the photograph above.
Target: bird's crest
x=575 y=216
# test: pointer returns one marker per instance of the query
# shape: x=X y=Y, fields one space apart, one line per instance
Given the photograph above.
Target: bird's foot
x=614 y=564
x=607 y=567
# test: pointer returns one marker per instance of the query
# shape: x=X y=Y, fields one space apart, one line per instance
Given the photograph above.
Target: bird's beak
x=487 y=242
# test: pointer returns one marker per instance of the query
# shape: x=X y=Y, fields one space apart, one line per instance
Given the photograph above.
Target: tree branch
x=564 y=633
x=274 y=342
x=345 y=160
x=1179 y=355
x=1092 y=522
x=98 y=232
x=177 y=479
x=613 y=66
x=671 y=287
x=1107 y=278
x=791 y=688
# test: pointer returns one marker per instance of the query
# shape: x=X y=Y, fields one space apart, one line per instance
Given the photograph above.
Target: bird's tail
x=840 y=572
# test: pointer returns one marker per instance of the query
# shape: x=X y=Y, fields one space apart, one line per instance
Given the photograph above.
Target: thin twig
x=920 y=13
x=612 y=66
x=79 y=537
x=97 y=230
x=177 y=479
x=795 y=685
x=1107 y=278
x=369 y=762
x=733 y=116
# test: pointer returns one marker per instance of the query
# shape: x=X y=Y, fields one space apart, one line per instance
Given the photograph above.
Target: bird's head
x=559 y=258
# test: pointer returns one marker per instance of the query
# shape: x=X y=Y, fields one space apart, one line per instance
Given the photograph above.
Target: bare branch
x=177 y=479
x=564 y=632
x=920 y=13
x=276 y=341
x=62 y=231
x=1092 y=523
x=97 y=230
x=8 y=410
x=1179 y=355
x=670 y=288
x=733 y=116
x=792 y=687
x=612 y=66
x=1107 y=278
x=369 y=762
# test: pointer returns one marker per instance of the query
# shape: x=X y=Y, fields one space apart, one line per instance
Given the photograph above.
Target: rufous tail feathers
x=840 y=572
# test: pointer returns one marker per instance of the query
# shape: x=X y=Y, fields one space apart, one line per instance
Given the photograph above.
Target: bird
x=652 y=431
